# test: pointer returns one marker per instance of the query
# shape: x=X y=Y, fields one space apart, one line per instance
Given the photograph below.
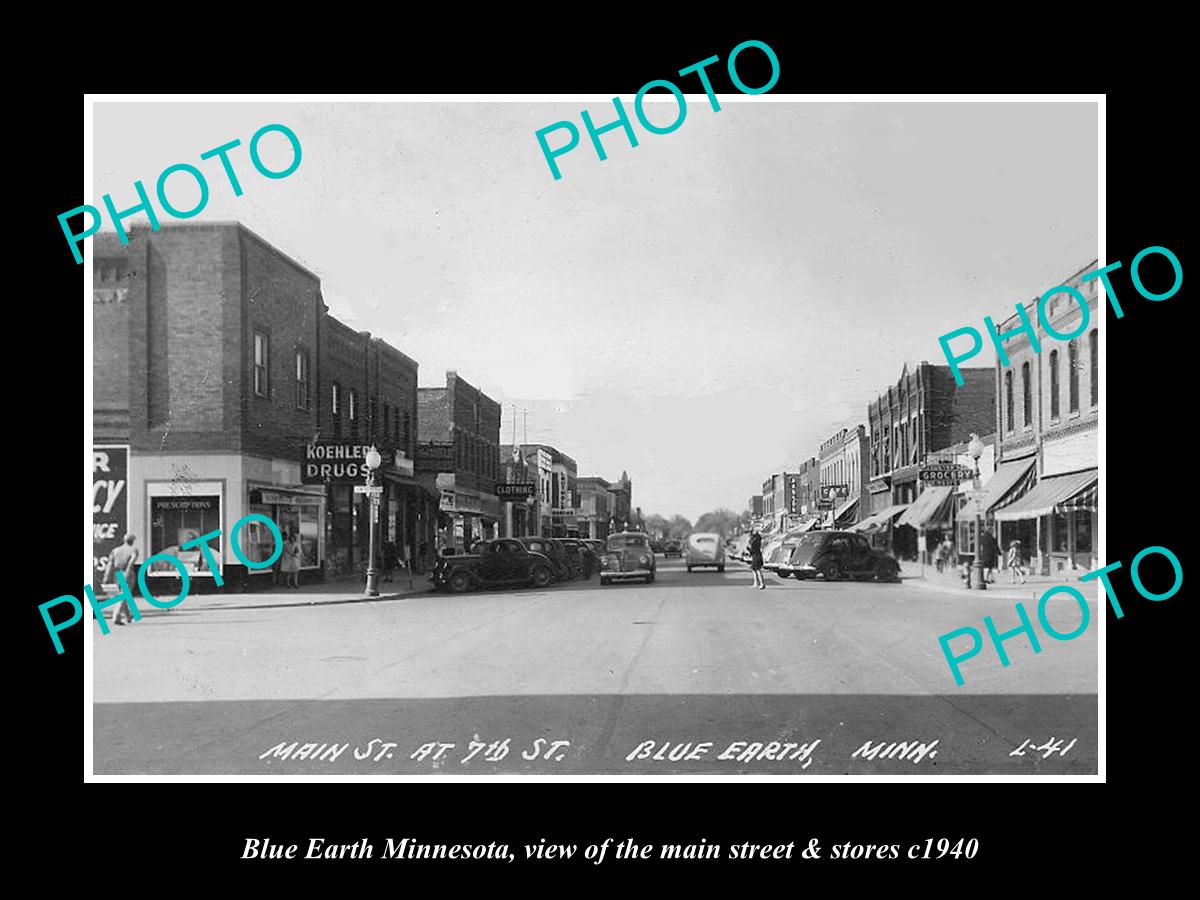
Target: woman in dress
x=756 y=560
x=290 y=564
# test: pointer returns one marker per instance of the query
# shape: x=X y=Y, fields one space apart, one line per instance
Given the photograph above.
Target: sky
x=701 y=310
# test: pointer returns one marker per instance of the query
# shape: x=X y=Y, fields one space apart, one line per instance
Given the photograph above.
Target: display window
x=179 y=512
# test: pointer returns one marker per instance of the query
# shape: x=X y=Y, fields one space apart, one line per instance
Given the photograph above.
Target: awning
x=1084 y=502
x=880 y=518
x=844 y=510
x=1049 y=495
x=1008 y=482
x=927 y=507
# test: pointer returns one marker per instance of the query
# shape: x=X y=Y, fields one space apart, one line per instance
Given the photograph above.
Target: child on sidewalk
x=1016 y=566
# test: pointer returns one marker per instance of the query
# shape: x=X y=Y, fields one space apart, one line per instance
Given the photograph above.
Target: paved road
x=808 y=672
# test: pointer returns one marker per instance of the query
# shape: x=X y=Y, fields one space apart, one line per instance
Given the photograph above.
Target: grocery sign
x=945 y=474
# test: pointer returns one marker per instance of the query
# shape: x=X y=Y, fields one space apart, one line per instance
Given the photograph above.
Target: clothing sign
x=110 y=502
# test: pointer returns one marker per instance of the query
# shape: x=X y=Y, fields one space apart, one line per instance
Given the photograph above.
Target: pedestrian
x=123 y=559
x=390 y=559
x=290 y=564
x=989 y=554
x=756 y=560
x=1016 y=565
x=945 y=548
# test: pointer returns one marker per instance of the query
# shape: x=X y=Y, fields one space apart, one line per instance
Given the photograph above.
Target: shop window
x=1054 y=391
x=1008 y=400
x=262 y=351
x=1059 y=528
x=302 y=379
x=1073 y=375
x=1094 y=346
x=1083 y=531
x=1026 y=395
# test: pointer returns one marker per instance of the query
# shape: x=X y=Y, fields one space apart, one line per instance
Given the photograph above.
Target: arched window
x=1026 y=395
x=1094 y=340
x=1073 y=375
x=1054 y=392
x=1008 y=400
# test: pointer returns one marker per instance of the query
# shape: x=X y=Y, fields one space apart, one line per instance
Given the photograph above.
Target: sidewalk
x=348 y=589
x=949 y=582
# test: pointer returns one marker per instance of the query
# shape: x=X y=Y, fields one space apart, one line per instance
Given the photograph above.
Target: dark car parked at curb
x=628 y=555
x=501 y=563
x=552 y=550
x=673 y=548
x=581 y=555
x=838 y=555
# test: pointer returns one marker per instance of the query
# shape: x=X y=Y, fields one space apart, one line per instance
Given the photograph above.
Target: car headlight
x=643 y=560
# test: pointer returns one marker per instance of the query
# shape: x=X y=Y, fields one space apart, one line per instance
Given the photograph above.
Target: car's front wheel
x=540 y=577
x=833 y=572
x=783 y=574
x=689 y=568
x=604 y=582
x=720 y=568
x=459 y=582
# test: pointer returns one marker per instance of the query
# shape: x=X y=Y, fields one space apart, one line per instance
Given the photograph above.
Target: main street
x=579 y=678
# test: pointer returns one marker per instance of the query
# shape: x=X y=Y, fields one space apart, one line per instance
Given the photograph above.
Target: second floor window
x=1073 y=375
x=335 y=405
x=387 y=419
x=302 y=379
x=1094 y=341
x=352 y=411
x=1008 y=400
x=1026 y=395
x=1054 y=391
x=262 y=351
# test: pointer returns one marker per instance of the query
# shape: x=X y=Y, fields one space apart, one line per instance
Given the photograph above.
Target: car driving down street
x=628 y=556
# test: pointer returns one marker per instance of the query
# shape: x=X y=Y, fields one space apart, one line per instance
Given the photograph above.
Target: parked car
x=741 y=548
x=499 y=563
x=835 y=555
x=776 y=559
x=598 y=547
x=705 y=549
x=627 y=554
x=553 y=551
x=656 y=546
x=673 y=548
x=580 y=555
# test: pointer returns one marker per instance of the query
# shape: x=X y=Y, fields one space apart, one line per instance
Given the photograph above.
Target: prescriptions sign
x=110 y=502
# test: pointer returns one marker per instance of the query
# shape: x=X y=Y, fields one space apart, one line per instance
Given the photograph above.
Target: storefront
x=931 y=516
x=464 y=515
x=299 y=511
x=1058 y=516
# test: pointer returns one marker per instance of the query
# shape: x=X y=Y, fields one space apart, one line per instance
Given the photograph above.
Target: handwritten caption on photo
x=124 y=594
x=622 y=120
x=221 y=152
x=627 y=849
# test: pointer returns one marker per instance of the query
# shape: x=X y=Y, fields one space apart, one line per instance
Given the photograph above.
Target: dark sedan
x=673 y=548
x=837 y=555
x=554 y=551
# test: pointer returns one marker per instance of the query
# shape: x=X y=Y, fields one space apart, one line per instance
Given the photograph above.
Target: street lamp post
x=373 y=462
x=977 y=582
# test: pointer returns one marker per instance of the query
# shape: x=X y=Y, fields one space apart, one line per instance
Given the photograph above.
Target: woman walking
x=1016 y=565
x=756 y=560
x=290 y=564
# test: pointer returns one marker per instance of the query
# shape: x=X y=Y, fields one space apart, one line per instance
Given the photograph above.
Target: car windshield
x=706 y=540
x=621 y=541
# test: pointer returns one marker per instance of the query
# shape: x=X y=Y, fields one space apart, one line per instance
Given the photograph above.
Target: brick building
x=205 y=342
x=845 y=460
x=368 y=397
x=595 y=507
x=1047 y=425
x=458 y=454
x=923 y=413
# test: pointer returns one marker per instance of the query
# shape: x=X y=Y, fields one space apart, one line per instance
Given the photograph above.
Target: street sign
x=517 y=491
x=944 y=474
x=376 y=489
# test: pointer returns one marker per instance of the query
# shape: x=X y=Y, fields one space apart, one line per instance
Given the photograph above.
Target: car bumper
x=632 y=573
x=800 y=571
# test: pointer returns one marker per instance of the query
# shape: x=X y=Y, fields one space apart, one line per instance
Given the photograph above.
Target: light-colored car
x=627 y=554
x=705 y=549
x=779 y=551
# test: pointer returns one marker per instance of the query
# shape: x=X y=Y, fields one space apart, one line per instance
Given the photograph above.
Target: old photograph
x=519 y=437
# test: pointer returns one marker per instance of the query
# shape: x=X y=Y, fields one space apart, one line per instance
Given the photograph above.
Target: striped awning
x=844 y=510
x=1084 y=502
x=1009 y=482
x=927 y=507
x=880 y=519
x=1050 y=495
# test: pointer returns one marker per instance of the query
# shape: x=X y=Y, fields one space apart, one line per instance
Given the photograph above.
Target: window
x=387 y=428
x=1094 y=341
x=302 y=379
x=1073 y=375
x=335 y=405
x=1008 y=400
x=262 y=351
x=1054 y=406
x=352 y=400
x=1026 y=395
x=406 y=429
